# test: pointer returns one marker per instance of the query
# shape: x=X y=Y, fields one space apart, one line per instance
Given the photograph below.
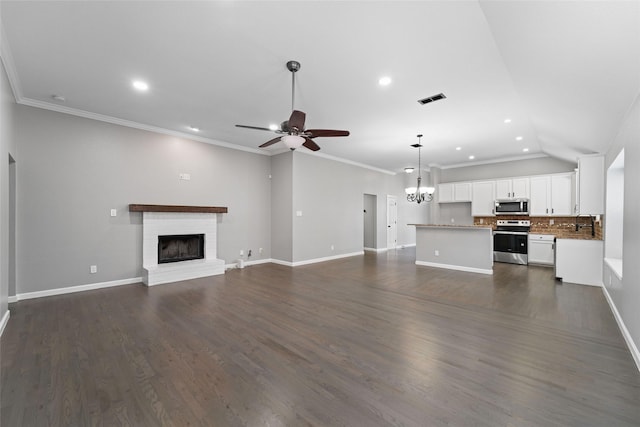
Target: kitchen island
x=456 y=247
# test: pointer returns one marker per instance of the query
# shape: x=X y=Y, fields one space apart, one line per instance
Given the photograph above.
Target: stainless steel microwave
x=512 y=207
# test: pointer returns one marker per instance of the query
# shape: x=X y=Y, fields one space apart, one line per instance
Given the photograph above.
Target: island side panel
x=464 y=248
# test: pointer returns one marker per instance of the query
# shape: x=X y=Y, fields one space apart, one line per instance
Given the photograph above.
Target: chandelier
x=419 y=193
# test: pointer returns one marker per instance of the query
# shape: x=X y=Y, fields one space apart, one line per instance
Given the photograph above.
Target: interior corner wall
x=7 y=149
x=282 y=207
x=71 y=171
x=626 y=293
x=329 y=194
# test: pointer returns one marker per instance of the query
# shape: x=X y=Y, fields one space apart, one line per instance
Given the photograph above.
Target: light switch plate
x=114 y=212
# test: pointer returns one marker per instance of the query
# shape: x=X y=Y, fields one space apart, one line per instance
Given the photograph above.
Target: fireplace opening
x=182 y=247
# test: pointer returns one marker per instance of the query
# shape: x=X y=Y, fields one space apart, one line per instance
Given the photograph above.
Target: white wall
x=71 y=171
x=626 y=293
x=536 y=166
x=282 y=207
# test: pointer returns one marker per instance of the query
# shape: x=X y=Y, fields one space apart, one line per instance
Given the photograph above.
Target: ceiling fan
x=293 y=132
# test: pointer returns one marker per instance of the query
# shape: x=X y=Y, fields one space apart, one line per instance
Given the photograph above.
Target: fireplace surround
x=178 y=221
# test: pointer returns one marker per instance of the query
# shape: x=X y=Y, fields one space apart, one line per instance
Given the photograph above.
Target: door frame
x=392 y=229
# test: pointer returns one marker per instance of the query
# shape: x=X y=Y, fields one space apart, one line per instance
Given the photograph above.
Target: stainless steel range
x=510 y=241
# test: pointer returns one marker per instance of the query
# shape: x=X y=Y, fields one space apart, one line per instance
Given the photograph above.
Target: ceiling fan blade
x=297 y=120
x=311 y=145
x=326 y=132
x=270 y=142
x=253 y=127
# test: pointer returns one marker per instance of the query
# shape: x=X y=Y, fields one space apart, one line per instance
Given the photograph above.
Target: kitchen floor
x=370 y=340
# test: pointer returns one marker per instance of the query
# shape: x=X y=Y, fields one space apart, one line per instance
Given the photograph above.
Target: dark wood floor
x=364 y=341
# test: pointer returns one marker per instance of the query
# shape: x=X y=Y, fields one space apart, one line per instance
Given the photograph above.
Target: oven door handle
x=517 y=233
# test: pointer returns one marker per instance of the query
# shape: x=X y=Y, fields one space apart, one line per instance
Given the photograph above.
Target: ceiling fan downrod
x=293 y=66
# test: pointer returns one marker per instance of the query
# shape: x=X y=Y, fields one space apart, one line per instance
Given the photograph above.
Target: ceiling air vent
x=437 y=97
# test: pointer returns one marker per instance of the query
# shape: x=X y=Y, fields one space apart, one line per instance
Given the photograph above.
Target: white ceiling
x=565 y=73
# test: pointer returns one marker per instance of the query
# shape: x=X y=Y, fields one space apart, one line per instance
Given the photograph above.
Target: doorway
x=12 y=228
x=370 y=213
x=392 y=222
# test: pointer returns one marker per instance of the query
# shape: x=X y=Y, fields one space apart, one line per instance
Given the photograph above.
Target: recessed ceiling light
x=518 y=138
x=507 y=120
x=194 y=128
x=140 y=85
x=525 y=150
x=274 y=127
x=472 y=157
x=408 y=170
x=384 y=81
x=458 y=148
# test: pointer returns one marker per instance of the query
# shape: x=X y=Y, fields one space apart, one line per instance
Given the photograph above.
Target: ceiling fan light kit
x=419 y=193
x=292 y=141
x=294 y=133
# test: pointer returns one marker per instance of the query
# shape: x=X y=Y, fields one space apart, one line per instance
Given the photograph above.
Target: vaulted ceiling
x=565 y=73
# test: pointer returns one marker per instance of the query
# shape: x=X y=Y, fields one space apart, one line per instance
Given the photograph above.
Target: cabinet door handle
x=547 y=210
x=551 y=210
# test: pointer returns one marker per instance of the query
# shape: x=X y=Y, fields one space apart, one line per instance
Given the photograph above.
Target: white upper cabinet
x=445 y=192
x=590 y=191
x=454 y=192
x=462 y=191
x=516 y=188
x=561 y=194
x=483 y=198
x=539 y=203
x=552 y=195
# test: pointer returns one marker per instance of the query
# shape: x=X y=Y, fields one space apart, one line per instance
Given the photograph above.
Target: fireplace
x=189 y=251
x=182 y=247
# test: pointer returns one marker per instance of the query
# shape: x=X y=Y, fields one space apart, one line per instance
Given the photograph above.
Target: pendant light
x=419 y=193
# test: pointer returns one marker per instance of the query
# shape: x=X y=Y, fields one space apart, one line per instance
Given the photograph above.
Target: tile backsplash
x=562 y=227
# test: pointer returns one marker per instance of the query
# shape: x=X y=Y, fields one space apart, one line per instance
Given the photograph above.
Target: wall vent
x=437 y=97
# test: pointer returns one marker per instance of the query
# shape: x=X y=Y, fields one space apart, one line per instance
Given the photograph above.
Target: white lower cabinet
x=541 y=249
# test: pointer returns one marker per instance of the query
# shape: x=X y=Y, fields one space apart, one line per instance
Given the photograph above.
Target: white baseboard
x=623 y=328
x=12 y=298
x=248 y=263
x=80 y=288
x=378 y=250
x=455 y=267
x=316 y=260
x=411 y=245
x=5 y=320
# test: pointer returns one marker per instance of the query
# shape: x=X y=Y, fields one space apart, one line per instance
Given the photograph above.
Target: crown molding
x=8 y=62
x=348 y=162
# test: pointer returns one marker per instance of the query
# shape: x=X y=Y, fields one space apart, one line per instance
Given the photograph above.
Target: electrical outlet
x=552 y=221
x=481 y=220
x=260 y=251
x=241 y=252
x=453 y=220
x=185 y=176
x=332 y=247
x=93 y=269
x=437 y=252
x=114 y=212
